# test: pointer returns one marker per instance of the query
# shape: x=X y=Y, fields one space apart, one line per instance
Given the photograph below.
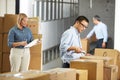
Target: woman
x=19 y=36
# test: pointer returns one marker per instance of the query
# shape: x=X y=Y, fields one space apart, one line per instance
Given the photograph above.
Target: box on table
x=62 y=74
x=106 y=60
x=85 y=45
x=107 y=53
x=110 y=72
x=82 y=75
x=115 y=54
x=27 y=75
x=94 y=67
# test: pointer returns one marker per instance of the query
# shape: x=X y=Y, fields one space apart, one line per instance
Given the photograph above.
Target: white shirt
x=100 y=30
x=70 y=37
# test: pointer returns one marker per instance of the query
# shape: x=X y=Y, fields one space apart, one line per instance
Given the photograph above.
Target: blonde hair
x=20 y=18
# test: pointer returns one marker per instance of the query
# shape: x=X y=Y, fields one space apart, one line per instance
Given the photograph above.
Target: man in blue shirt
x=100 y=30
x=70 y=45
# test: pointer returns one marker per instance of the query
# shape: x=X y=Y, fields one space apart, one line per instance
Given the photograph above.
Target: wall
x=103 y=8
x=26 y=6
x=53 y=30
x=7 y=6
x=117 y=25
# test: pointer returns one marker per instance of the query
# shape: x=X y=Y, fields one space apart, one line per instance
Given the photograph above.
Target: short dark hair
x=81 y=18
x=97 y=17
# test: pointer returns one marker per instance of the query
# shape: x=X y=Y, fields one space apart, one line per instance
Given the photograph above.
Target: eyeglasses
x=83 y=25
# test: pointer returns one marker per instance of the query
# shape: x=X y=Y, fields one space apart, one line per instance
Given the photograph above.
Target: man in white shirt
x=70 y=45
x=100 y=30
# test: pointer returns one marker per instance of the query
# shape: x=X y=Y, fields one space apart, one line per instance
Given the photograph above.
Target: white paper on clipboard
x=34 y=42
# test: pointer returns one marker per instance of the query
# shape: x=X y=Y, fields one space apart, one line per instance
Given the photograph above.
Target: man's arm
x=90 y=34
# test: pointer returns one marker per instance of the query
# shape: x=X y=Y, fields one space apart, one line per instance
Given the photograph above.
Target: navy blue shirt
x=17 y=35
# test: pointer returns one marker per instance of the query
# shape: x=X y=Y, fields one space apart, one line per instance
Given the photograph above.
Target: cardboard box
x=37 y=48
x=1 y=42
x=35 y=61
x=94 y=67
x=5 y=62
x=36 y=54
x=107 y=53
x=10 y=20
x=6 y=48
x=62 y=74
x=1 y=24
x=33 y=24
x=27 y=75
x=85 y=45
x=53 y=74
x=110 y=72
x=106 y=60
x=110 y=53
x=0 y=62
x=82 y=75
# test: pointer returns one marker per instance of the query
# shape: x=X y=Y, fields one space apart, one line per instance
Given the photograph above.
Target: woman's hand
x=23 y=43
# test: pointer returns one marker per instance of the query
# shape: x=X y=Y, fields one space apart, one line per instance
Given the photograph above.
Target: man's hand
x=103 y=45
x=88 y=54
x=78 y=49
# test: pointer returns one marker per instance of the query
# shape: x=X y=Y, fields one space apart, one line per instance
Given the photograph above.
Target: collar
x=76 y=31
x=19 y=28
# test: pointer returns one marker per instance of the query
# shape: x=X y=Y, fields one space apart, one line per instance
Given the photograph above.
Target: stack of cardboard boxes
x=110 y=66
x=94 y=67
x=108 y=69
x=53 y=74
x=35 y=51
x=7 y=22
x=27 y=75
x=115 y=55
x=82 y=75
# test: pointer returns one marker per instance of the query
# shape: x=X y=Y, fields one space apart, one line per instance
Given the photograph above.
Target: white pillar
x=117 y=25
x=26 y=6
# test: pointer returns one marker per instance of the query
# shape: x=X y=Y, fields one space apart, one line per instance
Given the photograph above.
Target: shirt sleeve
x=31 y=39
x=10 y=38
x=66 y=41
x=90 y=33
x=105 y=33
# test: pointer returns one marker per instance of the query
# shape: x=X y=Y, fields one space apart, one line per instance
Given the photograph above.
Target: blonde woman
x=19 y=36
